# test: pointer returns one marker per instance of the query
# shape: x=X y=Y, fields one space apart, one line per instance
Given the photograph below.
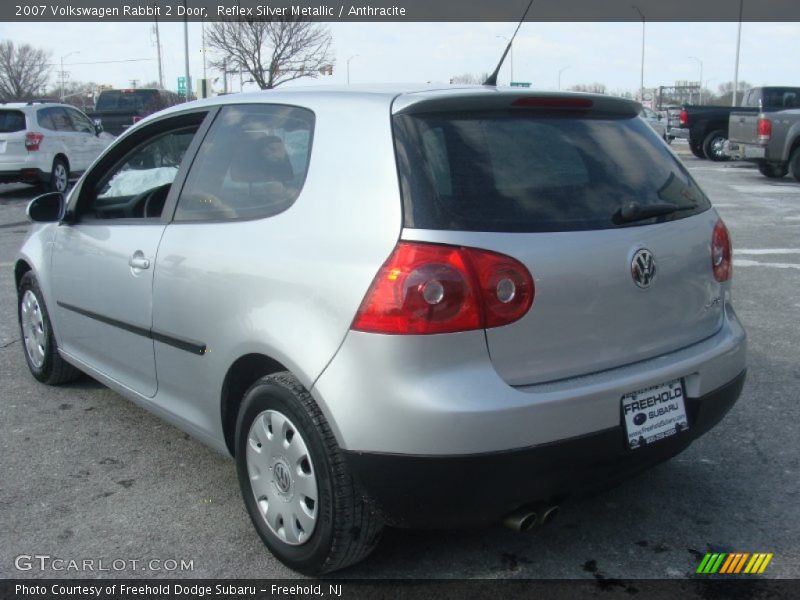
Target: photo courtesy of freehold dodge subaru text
x=510 y=282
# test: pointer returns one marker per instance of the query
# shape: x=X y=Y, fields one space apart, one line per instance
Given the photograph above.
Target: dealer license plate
x=654 y=413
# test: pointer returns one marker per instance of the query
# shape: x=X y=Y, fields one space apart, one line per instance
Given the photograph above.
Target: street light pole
x=186 y=52
x=701 y=76
x=560 y=71
x=62 y=73
x=348 y=67
x=641 y=76
x=738 y=43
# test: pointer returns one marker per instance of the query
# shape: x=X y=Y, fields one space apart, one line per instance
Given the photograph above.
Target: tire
x=59 y=176
x=713 y=146
x=794 y=163
x=773 y=170
x=36 y=332
x=339 y=528
x=696 y=150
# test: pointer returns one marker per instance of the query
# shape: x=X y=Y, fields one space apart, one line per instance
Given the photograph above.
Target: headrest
x=261 y=158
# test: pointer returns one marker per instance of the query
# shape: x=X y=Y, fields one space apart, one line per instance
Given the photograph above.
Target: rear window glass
x=516 y=172
x=134 y=100
x=11 y=121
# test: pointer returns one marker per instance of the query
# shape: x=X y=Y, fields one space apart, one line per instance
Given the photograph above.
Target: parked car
x=656 y=121
x=417 y=308
x=119 y=109
x=769 y=139
x=46 y=143
x=707 y=126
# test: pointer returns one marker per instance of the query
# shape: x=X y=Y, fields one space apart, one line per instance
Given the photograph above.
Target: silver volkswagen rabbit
x=406 y=307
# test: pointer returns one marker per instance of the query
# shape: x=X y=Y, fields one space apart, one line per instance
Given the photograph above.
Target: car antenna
x=492 y=79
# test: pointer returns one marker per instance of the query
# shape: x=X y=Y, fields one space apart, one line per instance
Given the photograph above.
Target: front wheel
x=714 y=146
x=298 y=490
x=41 y=350
x=773 y=170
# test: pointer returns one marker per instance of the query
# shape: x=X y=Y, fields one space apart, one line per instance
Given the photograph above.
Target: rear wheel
x=714 y=146
x=298 y=490
x=696 y=149
x=794 y=163
x=773 y=170
x=59 y=176
x=41 y=350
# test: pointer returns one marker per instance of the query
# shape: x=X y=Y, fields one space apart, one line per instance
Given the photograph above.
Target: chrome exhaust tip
x=548 y=514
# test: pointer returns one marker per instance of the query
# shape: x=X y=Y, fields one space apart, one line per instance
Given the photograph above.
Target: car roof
x=398 y=97
x=34 y=104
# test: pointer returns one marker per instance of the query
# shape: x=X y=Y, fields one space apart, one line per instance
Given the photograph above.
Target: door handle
x=138 y=261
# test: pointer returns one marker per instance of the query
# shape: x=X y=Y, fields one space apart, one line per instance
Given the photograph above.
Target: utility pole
x=158 y=50
x=348 y=67
x=224 y=75
x=560 y=71
x=203 y=26
x=641 y=76
x=701 y=76
x=186 y=52
x=736 y=68
x=63 y=74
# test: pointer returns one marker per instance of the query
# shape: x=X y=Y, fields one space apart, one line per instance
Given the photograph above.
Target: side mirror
x=47 y=208
x=98 y=127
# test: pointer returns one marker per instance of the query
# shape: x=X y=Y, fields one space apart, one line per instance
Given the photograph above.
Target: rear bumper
x=22 y=175
x=749 y=152
x=456 y=491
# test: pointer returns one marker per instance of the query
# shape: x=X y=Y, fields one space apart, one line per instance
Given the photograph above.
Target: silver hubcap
x=33 y=329
x=60 y=177
x=282 y=477
x=717 y=146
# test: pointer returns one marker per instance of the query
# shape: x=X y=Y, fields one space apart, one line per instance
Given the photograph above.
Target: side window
x=81 y=122
x=60 y=119
x=137 y=186
x=45 y=118
x=252 y=164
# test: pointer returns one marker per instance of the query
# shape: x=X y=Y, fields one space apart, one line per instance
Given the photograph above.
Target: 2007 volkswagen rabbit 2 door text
x=375 y=299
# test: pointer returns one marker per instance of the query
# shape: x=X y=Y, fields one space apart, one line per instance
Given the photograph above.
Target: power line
x=103 y=62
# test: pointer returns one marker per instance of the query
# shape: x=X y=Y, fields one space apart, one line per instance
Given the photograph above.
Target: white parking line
x=767 y=189
x=742 y=262
x=767 y=250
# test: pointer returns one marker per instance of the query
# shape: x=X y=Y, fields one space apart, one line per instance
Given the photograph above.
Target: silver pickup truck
x=770 y=139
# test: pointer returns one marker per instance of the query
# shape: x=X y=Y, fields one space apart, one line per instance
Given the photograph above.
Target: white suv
x=47 y=143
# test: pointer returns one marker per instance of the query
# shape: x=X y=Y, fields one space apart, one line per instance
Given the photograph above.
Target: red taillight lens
x=431 y=288
x=684 y=117
x=32 y=141
x=764 y=129
x=721 y=252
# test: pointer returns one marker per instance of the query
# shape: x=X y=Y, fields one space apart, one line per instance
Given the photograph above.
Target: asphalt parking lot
x=87 y=475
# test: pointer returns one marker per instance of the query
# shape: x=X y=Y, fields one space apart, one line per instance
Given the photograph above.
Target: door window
x=55 y=118
x=81 y=122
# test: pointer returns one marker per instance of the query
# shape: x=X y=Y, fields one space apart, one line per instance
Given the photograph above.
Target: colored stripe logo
x=734 y=563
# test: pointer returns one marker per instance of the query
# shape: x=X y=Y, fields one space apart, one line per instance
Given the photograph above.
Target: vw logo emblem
x=643 y=268
x=282 y=478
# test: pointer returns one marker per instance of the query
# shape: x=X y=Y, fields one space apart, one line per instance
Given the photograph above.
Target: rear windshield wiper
x=633 y=211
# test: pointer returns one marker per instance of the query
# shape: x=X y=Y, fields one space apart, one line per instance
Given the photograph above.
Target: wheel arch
x=20 y=268
x=243 y=373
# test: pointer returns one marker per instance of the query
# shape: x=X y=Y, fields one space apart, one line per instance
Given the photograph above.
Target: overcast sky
x=608 y=53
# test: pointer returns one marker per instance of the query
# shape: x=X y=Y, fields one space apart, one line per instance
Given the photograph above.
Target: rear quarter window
x=528 y=172
x=12 y=121
x=252 y=164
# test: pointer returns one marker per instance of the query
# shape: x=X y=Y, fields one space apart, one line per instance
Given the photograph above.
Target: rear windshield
x=11 y=121
x=132 y=100
x=518 y=172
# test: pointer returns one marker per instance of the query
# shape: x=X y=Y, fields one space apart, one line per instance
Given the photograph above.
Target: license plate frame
x=654 y=413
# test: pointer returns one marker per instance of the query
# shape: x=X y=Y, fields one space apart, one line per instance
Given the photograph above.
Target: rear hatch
x=12 y=136
x=564 y=185
x=743 y=127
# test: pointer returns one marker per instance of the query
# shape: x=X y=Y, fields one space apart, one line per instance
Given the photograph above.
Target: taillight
x=684 y=117
x=32 y=141
x=427 y=288
x=764 y=129
x=721 y=252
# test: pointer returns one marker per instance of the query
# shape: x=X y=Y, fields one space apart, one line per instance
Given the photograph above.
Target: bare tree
x=24 y=71
x=272 y=51
x=595 y=88
x=77 y=93
x=469 y=79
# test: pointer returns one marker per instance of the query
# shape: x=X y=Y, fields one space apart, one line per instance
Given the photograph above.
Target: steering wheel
x=153 y=198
